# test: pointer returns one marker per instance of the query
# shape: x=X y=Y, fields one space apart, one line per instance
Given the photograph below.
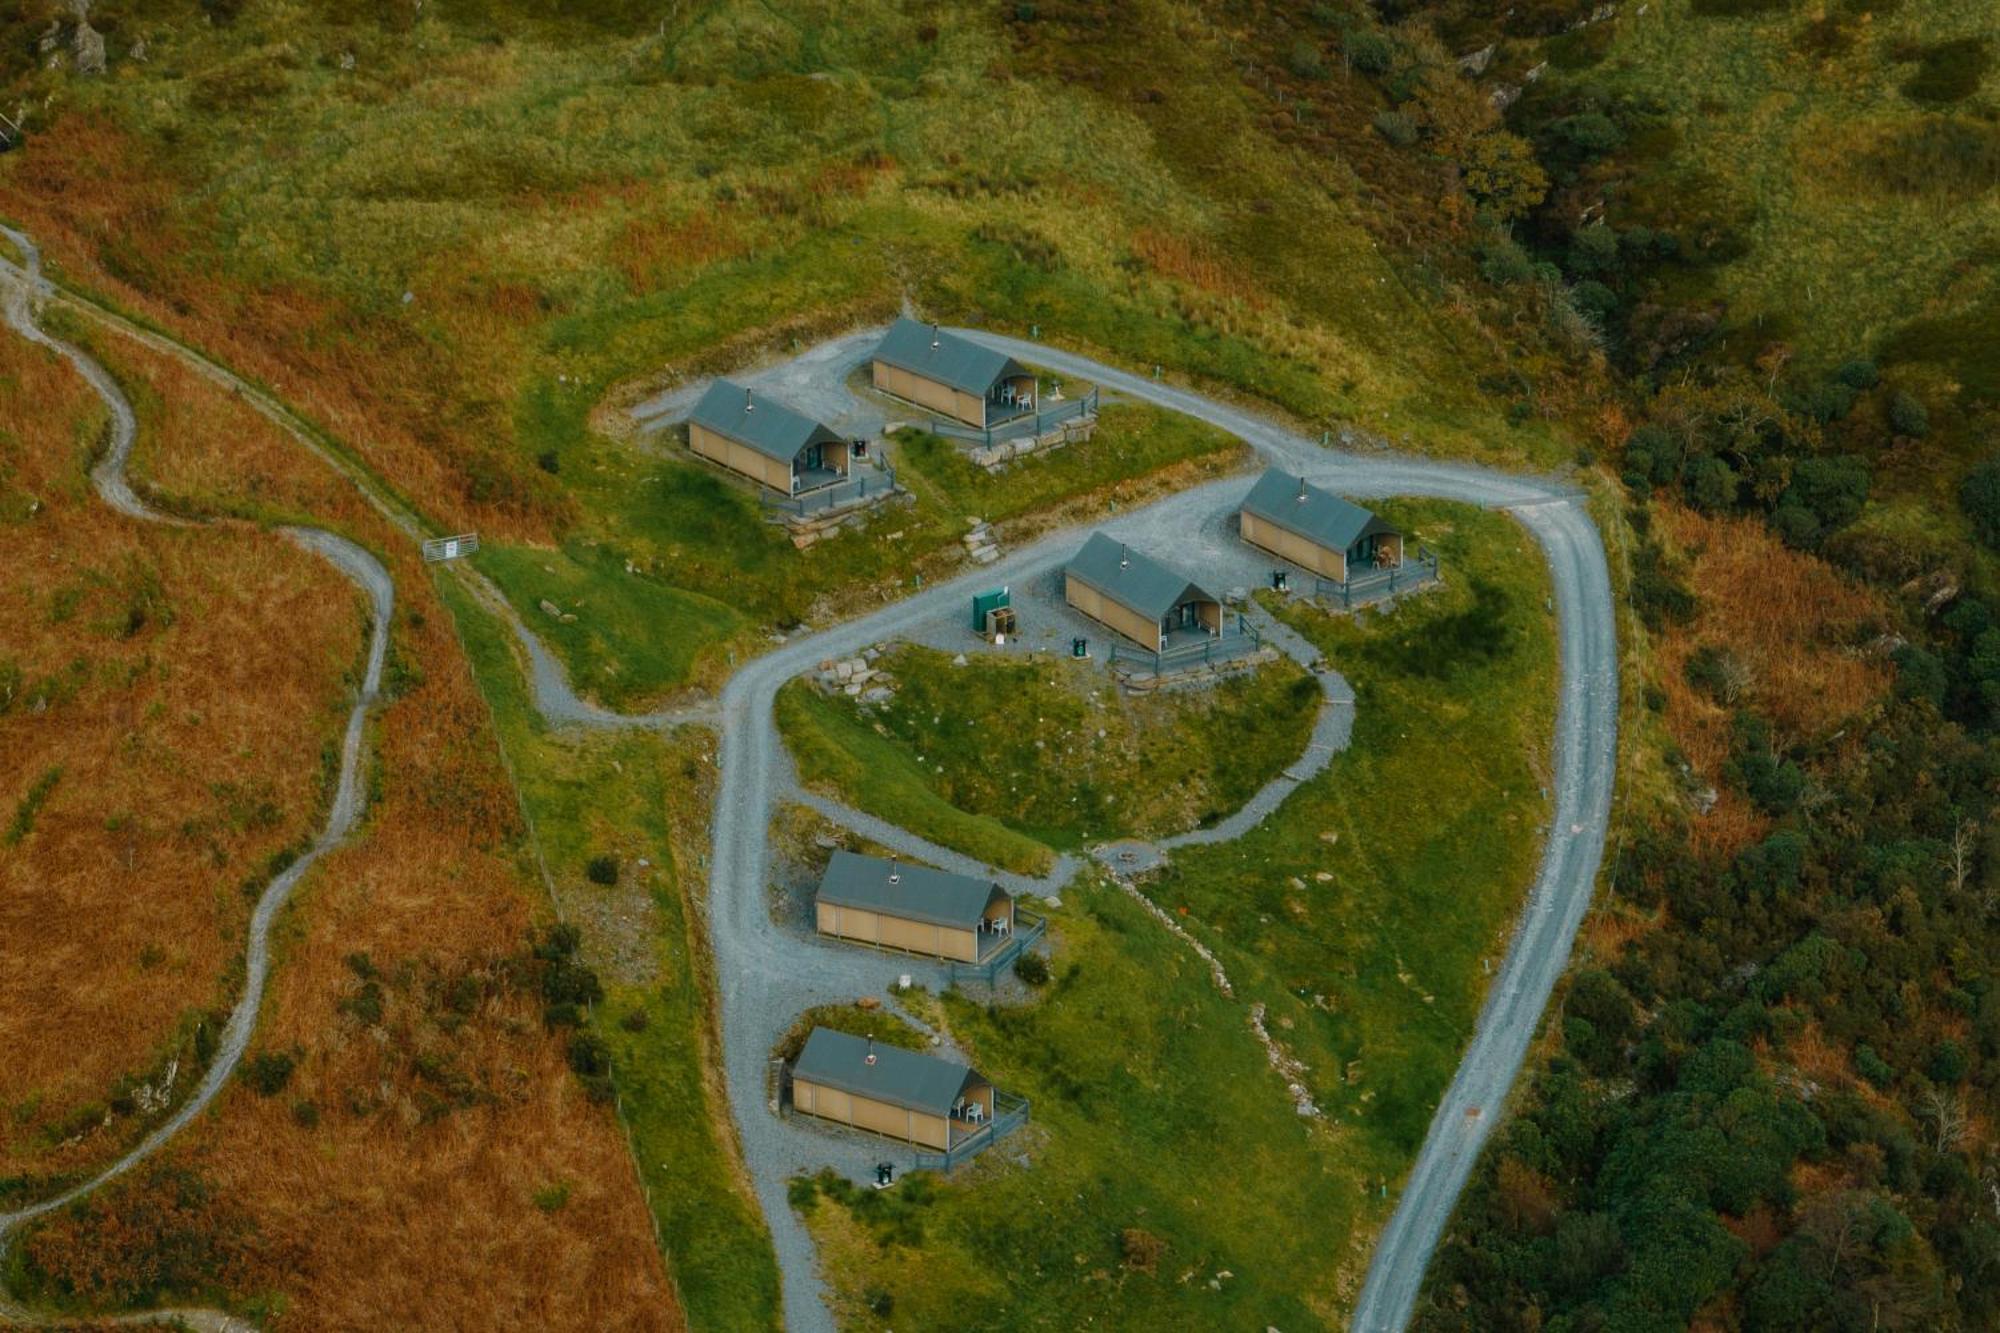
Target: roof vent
x=869 y=1058
x=749 y=403
x=1302 y=488
x=895 y=872
x=1124 y=557
x=934 y=337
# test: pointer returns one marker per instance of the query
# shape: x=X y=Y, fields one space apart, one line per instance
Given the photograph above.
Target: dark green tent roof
x=757 y=422
x=1318 y=516
x=899 y=1077
x=959 y=362
x=915 y=893
x=1131 y=579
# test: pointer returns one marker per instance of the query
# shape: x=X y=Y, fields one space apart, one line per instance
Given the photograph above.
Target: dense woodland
x=1771 y=1107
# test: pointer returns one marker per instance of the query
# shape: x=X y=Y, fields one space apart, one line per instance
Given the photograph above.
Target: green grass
x=1130 y=441
x=584 y=793
x=633 y=638
x=841 y=754
x=1153 y=1105
x=1792 y=145
x=530 y=184
x=1053 y=751
x=1152 y=1109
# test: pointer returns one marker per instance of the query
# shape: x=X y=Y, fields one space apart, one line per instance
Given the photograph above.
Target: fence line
x=1010 y=1112
x=1043 y=419
x=1017 y=944
x=1215 y=648
x=1381 y=582
x=833 y=494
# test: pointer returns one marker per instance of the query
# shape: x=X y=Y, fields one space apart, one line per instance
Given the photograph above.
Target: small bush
x=1858 y=374
x=1396 y=127
x=1305 y=61
x=549 y=461
x=1908 y=416
x=1032 y=968
x=268 y=1072
x=1948 y=1063
x=603 y=869
x=1873 y=1067
x=1369 y=52
x=1142 y=1249
x=1950 y=71
x=588 y=1055
x=1717 y=673
x=552 y=1198
x=305 y=1114
x=635 y=1021
x=1979 y=497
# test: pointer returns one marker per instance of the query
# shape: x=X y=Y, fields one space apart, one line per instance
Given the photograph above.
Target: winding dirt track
x=22 y=283
x=752 y=961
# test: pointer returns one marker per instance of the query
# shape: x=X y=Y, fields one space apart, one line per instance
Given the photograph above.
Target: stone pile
x=994 y=457
x=980 y=544
x=857 y=678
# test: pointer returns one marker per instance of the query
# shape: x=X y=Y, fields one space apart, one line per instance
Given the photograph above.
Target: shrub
x=1948 y=1062
x=1305 y=61
x=552 y=1198
x=1505 y=262
x=603 y=869
x=1369 y=52
x=588 y=1055
x=1858 y=374
x=635 y=1021
x=1717 y=673
x=1594 y=299
x=1591 y=132
x=549 y=461
x=1592 y=251
x=1142 y=1249
x=1396 y=127
x=1712 y=486
x=268 y=1072
x=1908 y=416
x=305 y=1114
x=1949 y=71
x=1979 y=497
x=1873 y=1067
x=1032 y=968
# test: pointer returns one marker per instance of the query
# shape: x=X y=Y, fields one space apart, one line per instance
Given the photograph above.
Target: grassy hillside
x=1163 y=1146
x=1053 y=751
x=448 y=231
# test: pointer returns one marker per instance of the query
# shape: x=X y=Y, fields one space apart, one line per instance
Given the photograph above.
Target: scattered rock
x=1475 y=64
x=550 y=609
x=959 y=660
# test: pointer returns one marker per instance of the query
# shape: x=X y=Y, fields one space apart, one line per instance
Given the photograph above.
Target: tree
x=1500 y=171
x=1908 y=416
x=1979 y=498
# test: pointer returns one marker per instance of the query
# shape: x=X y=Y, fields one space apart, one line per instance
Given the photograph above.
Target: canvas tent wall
x=1136 y=595
x=948 y=374
x=887 y=1090
x=1316 y=529
x=763 y=439
x=914 y=908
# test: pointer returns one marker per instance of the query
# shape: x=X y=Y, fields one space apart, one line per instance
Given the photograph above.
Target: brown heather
x=396 y=1176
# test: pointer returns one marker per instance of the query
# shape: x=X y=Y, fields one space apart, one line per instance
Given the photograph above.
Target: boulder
x=550 y=609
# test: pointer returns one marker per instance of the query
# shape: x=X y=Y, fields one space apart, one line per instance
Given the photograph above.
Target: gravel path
x=22 y=283
x=759 y=988
x=768 y=973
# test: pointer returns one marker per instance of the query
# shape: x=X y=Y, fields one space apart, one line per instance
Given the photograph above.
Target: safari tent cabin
x=764 y=440
x=1316 y=529
x=920 y=1099
x=914 y=908
x=952 y=376
x=1138 y=597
